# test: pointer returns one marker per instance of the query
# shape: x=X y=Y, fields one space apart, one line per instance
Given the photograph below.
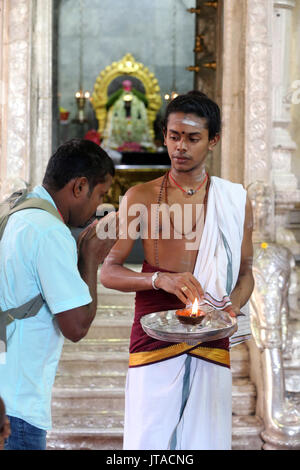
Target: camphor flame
x=195 y=307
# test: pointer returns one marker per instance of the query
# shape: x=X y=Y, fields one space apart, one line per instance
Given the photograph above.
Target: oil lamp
x=81 y=98
x=191 y=315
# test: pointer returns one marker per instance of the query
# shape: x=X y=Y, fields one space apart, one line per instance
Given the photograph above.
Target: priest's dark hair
x=76 y=158
x=196 y=102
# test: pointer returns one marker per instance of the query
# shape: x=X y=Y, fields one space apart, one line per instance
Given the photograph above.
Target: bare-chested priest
x=178 y=396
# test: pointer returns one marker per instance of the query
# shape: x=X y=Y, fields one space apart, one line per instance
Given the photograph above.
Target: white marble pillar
x=15 y=96
x=246 y=91
x=285 y=182
x=258 y=94
x=25 y=92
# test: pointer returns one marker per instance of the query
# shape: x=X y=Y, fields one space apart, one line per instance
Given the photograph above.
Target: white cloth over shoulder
x=217 y=269
x=218 y=261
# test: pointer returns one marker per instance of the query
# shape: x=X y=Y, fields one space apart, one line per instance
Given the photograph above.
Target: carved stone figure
x=262 y=200
x=269 y=317
x=291 y=354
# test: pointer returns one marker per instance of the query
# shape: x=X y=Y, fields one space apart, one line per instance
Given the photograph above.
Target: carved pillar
x=258 y=97
x=287 y=194
x=25 y=94
x=246 y=91
x=256 y=144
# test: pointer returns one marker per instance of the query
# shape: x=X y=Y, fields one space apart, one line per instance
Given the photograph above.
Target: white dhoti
x=183 y=403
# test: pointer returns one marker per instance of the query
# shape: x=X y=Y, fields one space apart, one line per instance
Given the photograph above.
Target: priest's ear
x=213 y=142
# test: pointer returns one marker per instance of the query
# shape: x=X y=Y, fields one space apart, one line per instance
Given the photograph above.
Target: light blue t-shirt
x=38 y=254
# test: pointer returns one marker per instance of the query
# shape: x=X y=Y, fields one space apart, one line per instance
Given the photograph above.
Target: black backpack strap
x=30 y=203
x=27 y=310
x=30 y=308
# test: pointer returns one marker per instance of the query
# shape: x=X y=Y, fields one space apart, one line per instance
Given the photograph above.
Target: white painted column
x=15 y=96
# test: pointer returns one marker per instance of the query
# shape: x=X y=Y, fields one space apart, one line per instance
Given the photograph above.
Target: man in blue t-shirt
x=39 y=255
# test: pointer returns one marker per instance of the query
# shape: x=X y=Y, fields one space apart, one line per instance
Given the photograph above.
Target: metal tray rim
x=204 y=334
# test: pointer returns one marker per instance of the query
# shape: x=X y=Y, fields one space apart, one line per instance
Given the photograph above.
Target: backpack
x=17 y=202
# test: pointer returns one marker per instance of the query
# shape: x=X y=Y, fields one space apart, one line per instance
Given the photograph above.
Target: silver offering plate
x=166 y=326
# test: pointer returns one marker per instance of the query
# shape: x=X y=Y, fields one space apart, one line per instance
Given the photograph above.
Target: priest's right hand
x=184 y=285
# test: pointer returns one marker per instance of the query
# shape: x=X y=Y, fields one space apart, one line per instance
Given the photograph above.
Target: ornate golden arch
x=126 y=66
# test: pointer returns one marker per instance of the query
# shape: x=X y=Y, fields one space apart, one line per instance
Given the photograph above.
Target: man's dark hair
x=196 y=102
x=77 y=158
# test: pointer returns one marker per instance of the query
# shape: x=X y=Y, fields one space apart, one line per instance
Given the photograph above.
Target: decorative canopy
x=126 y=66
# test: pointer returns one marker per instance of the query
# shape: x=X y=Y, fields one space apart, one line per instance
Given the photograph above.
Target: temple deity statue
x=127 y=126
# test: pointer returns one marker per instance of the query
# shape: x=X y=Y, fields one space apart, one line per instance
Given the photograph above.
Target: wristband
x=153 y=279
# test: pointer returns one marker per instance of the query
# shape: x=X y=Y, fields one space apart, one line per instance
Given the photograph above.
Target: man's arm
x=75 y=323
x=245 y=283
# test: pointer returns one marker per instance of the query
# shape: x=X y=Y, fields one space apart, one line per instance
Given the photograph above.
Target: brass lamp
x=81 y=98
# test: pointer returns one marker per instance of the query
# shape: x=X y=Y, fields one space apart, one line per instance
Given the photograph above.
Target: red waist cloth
x=150 y=301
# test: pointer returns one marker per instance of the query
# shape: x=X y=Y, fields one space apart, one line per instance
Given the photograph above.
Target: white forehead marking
x=190 y=122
